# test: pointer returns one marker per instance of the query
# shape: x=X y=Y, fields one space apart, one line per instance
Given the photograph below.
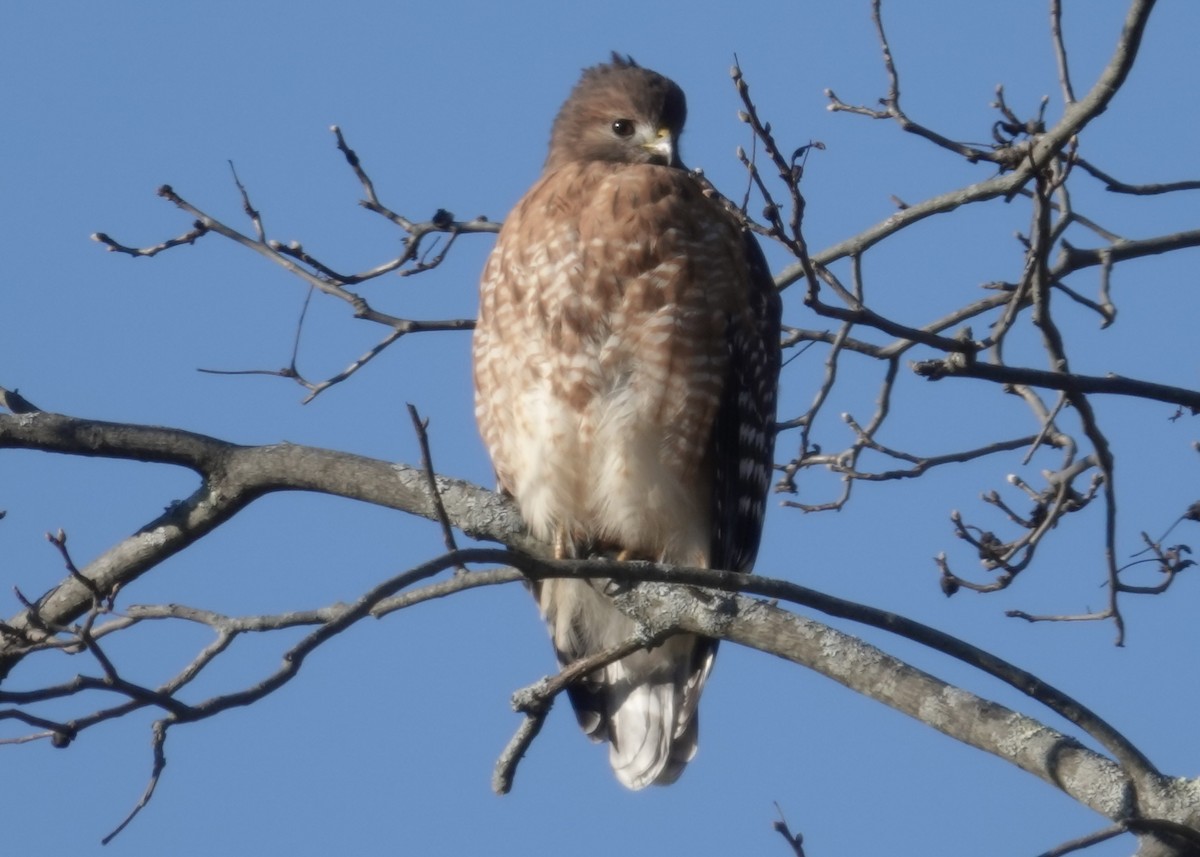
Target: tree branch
x=232 y=477
x=246 y=473
x=1068 y=382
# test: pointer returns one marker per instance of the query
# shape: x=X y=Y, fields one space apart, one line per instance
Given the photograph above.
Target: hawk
x=626 y=360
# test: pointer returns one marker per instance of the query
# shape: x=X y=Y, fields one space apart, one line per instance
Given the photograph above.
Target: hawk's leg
x=560 y=544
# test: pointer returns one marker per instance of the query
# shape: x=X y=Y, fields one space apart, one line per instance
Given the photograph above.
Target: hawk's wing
x=744 y=434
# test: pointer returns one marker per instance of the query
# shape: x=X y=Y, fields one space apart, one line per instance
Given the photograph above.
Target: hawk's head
x=619 y=112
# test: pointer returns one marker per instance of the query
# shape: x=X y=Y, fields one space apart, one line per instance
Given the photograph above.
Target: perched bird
x=626 y=361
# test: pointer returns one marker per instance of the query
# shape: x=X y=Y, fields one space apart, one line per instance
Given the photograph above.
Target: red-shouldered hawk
x=626 y=361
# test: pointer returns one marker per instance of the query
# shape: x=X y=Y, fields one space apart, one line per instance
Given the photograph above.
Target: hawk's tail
x=644 y=705
x=652 y=724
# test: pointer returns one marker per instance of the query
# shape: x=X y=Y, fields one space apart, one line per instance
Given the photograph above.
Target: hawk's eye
x=623 y=127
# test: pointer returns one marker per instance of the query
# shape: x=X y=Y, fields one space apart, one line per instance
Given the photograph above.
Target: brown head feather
x=610 y=93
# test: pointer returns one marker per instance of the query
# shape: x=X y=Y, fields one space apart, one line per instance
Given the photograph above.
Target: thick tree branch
x=241 y=474
x=245 y=473
x=232 y=477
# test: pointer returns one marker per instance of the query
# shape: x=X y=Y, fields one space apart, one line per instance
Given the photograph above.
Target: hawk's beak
x=662 y=147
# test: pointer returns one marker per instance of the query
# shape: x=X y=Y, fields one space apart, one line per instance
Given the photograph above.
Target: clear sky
x=386 y=741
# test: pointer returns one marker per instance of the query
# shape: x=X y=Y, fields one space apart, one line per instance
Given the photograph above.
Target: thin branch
x=922 y=464
x=891 y=101
x=1087 y=841
x=1096 y=616
x=1027 y=162
x=198 y=230
x=160 y=762
x=1060 y=51
x=1114 y=385
x=421 y=427
x=536 y=701
x=1073 y=259
x=794 y=840
x=1118 y=186
x=251 y=212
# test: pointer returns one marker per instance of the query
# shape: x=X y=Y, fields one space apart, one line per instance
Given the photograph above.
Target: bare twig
x=198 y=230
x=1087 y=841
x=421 y=427
x=1118 y=186
x=1113 y=385
x=891 y=102
x=160 y=763
x=247 y=207
x=1060 y=52
x=794 y=840
x=536 y=700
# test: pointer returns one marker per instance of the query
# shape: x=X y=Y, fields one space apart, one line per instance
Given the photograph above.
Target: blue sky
x=385 y=742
